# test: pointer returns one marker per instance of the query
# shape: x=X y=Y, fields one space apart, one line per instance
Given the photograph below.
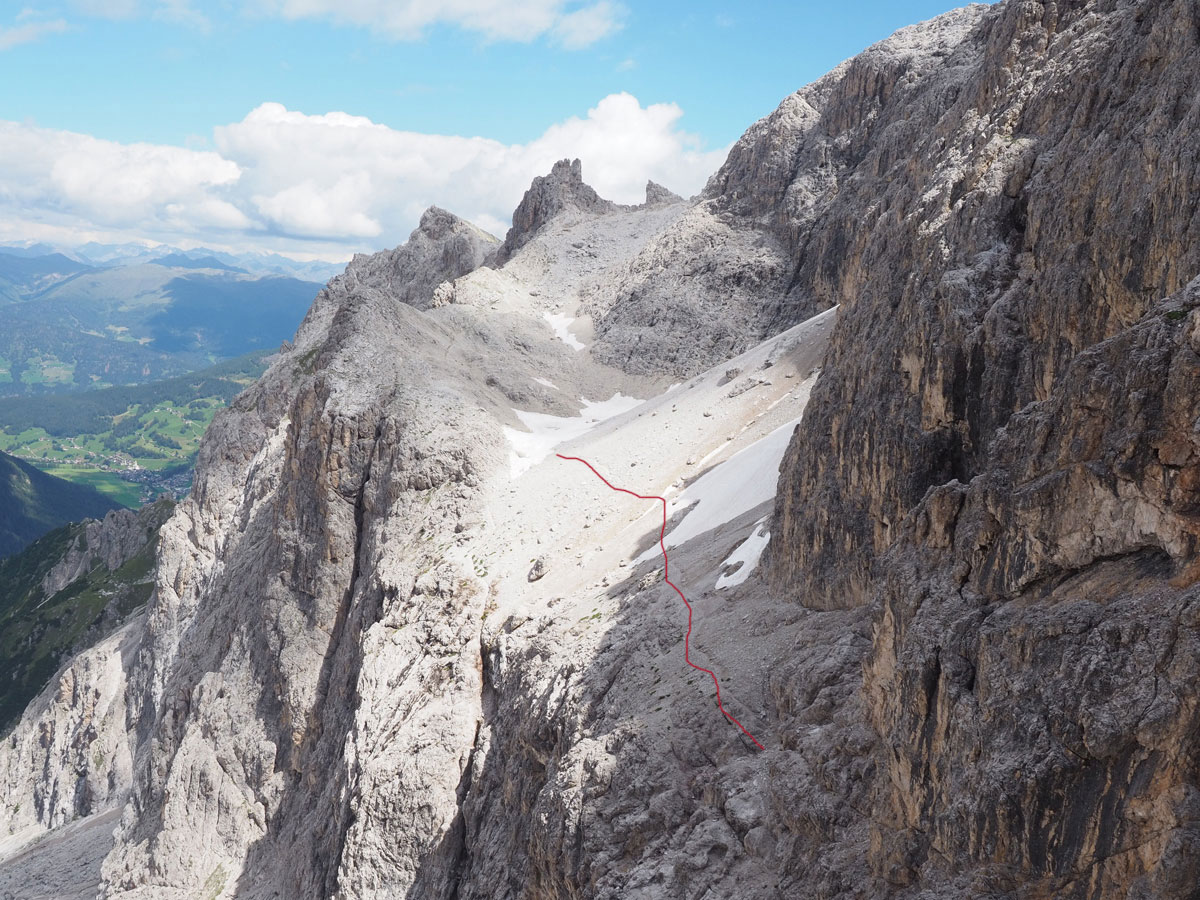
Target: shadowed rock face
x=1034 y=663
x=1000 y=460
x=983 y=211
x=657 y=195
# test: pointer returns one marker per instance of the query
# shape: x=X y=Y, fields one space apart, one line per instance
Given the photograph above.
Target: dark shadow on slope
x=33 y=503
x=226 y=316
x=653 y=716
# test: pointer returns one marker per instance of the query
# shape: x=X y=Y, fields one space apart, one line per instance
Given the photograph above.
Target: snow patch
x=561 y=325
x=748 y=553
x=728 y=489
x=545 y=383
x=546 y=432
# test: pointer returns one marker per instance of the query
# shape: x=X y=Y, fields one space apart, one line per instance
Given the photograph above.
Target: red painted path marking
x=688 y=637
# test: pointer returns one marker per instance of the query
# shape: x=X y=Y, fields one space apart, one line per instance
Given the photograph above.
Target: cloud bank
x=327 y=184
x=571 y=25
x=27 y=32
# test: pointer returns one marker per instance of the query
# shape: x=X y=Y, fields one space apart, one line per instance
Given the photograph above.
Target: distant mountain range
x=255 y=263
x=25 y=276
x=32 y=503
x=182 y=261
x=68 y=324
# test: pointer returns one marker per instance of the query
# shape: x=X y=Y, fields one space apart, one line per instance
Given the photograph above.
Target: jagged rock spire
x=657 y=195
x=549 y=195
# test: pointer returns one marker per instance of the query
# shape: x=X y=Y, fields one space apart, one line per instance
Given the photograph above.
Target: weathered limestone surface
x=1007 y=480
x=974 y=661
x=561 y=191
x=441 y=248
x=301 y=631
x=111 y=542
x=1034 y=668
x=71 y=756
x=1001 y=204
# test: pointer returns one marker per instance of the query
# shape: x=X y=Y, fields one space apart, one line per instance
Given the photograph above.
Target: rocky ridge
x=550 y=196
x=110 y=542
x=441 y=248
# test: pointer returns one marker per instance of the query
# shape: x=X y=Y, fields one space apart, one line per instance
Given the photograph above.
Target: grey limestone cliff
x=1006 y=481
x=657 y=195
x=109 y=542
x=441 y=248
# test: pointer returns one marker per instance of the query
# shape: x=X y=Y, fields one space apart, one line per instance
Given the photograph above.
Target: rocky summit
x=917 y=376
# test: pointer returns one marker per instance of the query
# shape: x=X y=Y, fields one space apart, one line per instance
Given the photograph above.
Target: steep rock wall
x=1007 y=481
x=298 y=614
x=1009 y=202
x=1034 y=664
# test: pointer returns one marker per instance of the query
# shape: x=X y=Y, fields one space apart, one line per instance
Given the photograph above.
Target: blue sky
x=525 y=75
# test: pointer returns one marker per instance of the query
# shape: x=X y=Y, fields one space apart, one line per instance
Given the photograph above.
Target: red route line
x=687 y=638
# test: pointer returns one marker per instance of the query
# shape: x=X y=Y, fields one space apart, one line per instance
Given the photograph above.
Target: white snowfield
x=711 y=445
x=728 y=489
x=547 y=432
x=748 y=553
x=562 y=329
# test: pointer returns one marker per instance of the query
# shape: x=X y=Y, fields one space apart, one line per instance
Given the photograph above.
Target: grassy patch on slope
x=39 y=633
x=131 y=443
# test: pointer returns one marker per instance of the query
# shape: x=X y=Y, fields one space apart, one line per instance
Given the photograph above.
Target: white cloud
x=584 y=27
x=66 y=179
x=281 y=179
x=28 y=32
x=513 y=20
x=572 y=24
x=313 y=209
x=126 y=183
x=107 y=9
x=180 y=11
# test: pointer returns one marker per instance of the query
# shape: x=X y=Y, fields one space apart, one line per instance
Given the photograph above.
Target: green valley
x=130 y=443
